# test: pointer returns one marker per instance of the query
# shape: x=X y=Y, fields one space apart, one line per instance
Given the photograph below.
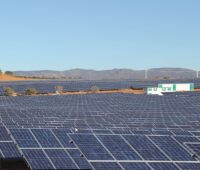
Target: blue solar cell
x=106 y=166
x=102 y=131
x=9 y=150
x=195 y=147
x=189 y=166
x=90 y=146
x=135 y=165
x=46 y=138
x=162 y=132
x=196 y=133
x=163 y=166
x=121 y=131
x=63 y=137
x=24 y=138
x=172 y=148
x=141 y=132
x=118 y=147
x=145 y=148
x=37 y=159
x=4 y=136
x=60 y=159
x=183 y=139
x=79 y=159
x=181 y=133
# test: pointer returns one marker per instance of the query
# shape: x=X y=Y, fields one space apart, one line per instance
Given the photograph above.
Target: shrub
x=31 y=91
x=135 y=88
x=9 y=73
x=94 y=89
x=59 y=89
x=8 y=91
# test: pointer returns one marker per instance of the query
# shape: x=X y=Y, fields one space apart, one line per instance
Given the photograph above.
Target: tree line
x=6 y=72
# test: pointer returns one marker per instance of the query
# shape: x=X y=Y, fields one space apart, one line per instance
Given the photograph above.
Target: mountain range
x=85 y=74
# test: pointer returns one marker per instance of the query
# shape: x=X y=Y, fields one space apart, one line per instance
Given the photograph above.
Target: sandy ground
x=127 y=91
x=4 y=77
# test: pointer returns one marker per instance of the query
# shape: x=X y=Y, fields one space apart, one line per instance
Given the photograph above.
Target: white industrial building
x=170 y=88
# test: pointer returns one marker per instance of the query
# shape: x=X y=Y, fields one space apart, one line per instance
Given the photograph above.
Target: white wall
x=182 y=87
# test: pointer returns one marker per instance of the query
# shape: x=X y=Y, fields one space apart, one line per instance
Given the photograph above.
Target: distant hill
x=172 y=73
x=154 y=73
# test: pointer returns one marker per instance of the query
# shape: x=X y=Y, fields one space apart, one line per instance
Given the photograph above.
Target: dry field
x=125 y=91
x=4 y=77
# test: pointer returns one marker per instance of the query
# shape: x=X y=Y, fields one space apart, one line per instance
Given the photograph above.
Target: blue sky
x=99 y=34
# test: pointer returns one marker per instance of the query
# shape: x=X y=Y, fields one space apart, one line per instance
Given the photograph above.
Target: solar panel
x=4 y=136
x=24 y=138
x=37 y=159
x=121 y=131
x=162 y=132
x=118 y=130
x=90 y=146
x=189 y=166
x=60 y=159
x=141 y=132
x=145 y=148
x=9 y=150
x=46 y=138
x=196 y=133
x=63 y=137
x=195 y=147
x=163 y=166
x=181 y=133
x=172 y=148
x=79 y=159
x=118 y=147
x=135 y=165
x=106 y=166
x=102 y=131
x=183 y=139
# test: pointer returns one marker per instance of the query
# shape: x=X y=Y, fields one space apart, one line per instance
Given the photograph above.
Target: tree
x=31 y=91
x=9 y=73
x=8 y=91
x=59 y=89
x=1 y=72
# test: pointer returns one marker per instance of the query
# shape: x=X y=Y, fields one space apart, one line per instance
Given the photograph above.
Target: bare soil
x=4 y=77
x=127 y=91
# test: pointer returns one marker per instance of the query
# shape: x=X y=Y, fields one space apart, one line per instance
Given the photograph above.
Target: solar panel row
x=48 y=86
x=102 y=131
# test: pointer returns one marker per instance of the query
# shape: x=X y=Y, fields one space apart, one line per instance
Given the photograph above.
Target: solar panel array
x=48 y=86
x=102 y=131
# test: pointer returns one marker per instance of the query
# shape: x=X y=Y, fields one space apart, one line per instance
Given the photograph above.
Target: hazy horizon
x=165 y=67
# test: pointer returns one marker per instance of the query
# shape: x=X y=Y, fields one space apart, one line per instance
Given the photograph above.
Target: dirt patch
x=4 y=77
x=127 y=91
